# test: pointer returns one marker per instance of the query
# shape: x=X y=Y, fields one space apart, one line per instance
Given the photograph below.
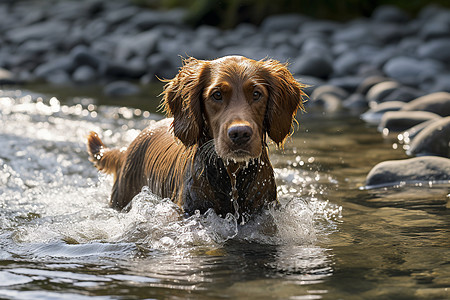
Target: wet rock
x=81 y=55
x=436 y=49
x=411 y=71
x=439 y=83
x=409 y=134
x=124 y=70
x=395 y=121
x=418 y=169
x=389 y=13
x=381 y=90
x=355 y=32
x=432 y=140
x=312 y=64
x=121 y=88
x=147 y=19
x=375 y=114
x=161 y=66
x=438 y=103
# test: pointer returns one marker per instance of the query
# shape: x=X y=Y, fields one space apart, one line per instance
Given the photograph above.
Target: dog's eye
x=217 y=96
x=256 y=95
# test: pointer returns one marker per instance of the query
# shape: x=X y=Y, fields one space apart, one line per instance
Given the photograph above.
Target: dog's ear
x=182 y=98
x=285 y=98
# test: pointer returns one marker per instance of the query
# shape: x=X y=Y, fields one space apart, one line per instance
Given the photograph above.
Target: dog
x=211 y=151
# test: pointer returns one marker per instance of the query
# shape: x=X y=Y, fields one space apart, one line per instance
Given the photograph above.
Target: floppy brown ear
x=182 y=100
x=285 y=98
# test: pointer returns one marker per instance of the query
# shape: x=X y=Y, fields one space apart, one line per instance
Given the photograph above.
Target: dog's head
x=235 y=101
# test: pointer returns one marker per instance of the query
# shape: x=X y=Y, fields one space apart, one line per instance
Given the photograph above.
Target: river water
x=335 y=240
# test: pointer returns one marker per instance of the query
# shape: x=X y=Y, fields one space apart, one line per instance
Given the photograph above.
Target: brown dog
x=222 y=111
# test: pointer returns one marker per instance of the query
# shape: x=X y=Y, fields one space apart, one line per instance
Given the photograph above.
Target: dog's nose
x=240 y=134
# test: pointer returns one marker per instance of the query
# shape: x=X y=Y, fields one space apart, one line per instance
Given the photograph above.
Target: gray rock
x=402 y=93
x=147 y=19
x=61 y=64
x=369 y=82
x=411 y=71
x=356 y=102
x=381 y=90
x=348 y=83
x=432 y=140
x=311 y=83
x=53 y=30
x=389 y=13
x=141 y=45
x=413 y=170
x=347 y=64
x=375 y=114
x=312 y=64
x=439 y=83
x=81 y=55
x=84 y=74
x=357 y=32
x=7 y=77
x=436 y=49
x=408 y=135
x=58 y=77
x=396 y=121
x=124 y=70
x=328 y=89
x=438 y=103
x=276 y=23
x=120 y=89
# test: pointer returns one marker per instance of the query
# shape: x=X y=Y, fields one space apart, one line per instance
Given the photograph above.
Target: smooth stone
x=276 y=23
x=432 y=140
x=348 y=83
x=436 y=49
x=395 y=121
x=49 y=30
x=121 y=88
x=347 y=64
x=439 y=83
x=61 y=64
x=328 y=89
x=6 y=77
x=354 y=32
x=356 y=102
x=375 y=114
x=381 y=90
x=402 y=93
x=412 y=170
x=310 y=83
x=141 y=45
x=58 y=77
x=369 y=82
x=147 y=19
x=408 y=135
x=81 y=55
x=84 y=74
x=329 y=102
x=438 y=103
x=161 y=66
x=312 y=64
x=124 y=70
x=411 y=71
x=389 y=13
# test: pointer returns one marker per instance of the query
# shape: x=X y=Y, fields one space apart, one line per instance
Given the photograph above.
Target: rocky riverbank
x=395 y=66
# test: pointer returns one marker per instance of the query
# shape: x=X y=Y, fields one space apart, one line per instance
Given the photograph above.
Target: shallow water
x=59 y=239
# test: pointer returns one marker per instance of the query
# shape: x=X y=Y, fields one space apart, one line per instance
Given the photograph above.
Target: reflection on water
x=59 y=239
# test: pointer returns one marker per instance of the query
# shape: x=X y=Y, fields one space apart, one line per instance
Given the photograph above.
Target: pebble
x=396 y=121
x=438 y=103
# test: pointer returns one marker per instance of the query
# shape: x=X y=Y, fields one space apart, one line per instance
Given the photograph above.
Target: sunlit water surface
x=60 y=240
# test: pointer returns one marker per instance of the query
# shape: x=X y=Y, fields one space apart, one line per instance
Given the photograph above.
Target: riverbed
x=334 y=239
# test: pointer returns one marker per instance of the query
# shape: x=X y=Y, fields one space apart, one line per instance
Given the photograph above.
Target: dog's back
x=153 y=159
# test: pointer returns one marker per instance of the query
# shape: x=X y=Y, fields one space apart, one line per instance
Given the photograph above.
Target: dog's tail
x=106 y=160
